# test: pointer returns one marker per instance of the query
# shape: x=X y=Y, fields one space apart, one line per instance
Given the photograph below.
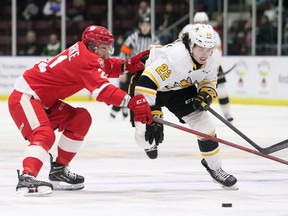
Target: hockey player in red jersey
x=37 y=108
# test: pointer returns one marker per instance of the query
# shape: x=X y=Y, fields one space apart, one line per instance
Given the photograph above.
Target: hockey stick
x=228 y=71
x=267 y=150
x=170 y=124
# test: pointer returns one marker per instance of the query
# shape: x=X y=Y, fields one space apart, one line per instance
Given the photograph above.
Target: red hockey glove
x=134 y=63
x=141 y=109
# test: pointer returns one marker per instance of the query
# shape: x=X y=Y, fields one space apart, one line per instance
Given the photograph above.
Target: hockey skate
x=219 y=176
x=228 y=117
x=124 y=112
x=113 y=114
x=63 y=179
x=29 y=186
x=152 y=152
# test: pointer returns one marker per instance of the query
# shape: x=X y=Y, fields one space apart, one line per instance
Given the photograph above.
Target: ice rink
x=121 y=180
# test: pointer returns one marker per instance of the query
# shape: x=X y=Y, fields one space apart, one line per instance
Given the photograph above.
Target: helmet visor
x=104 y=50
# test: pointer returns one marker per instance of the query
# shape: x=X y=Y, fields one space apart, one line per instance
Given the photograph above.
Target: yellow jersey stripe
x=145 y=91
x=213 y=83
x=210 y=134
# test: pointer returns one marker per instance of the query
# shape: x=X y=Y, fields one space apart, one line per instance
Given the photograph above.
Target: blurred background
x=246 y=27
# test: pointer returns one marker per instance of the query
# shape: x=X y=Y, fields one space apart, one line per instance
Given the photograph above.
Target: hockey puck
x=226 y=204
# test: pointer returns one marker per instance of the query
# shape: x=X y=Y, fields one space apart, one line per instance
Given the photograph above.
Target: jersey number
x=163 y=71
x=42 y=65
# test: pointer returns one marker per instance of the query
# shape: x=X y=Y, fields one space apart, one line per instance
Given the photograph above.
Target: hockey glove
x=141 y=109
x=154 y=131
x=204 y=98
x=134 y=64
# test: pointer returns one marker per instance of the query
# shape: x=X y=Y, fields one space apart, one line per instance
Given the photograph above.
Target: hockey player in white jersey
x=182 y=77
x=223 y=97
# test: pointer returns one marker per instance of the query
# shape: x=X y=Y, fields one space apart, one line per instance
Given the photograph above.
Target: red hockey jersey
x=70 y=71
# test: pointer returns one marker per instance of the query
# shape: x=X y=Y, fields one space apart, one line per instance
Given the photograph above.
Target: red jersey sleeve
x=113 y=67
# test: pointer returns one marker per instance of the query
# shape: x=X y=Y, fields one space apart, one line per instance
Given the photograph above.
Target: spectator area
x=124 y=13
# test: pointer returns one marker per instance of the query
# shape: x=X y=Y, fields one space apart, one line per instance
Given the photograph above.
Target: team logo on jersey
x=184 y=83
x=101 y=62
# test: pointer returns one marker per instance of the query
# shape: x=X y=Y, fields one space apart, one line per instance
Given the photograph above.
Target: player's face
x=104 y=50
x=201 y=54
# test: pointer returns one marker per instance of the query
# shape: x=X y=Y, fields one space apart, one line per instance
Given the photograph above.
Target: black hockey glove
x=204 y=98
x=154 y=131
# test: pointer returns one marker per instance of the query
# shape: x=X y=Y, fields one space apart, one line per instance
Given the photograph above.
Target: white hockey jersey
x=171 y=68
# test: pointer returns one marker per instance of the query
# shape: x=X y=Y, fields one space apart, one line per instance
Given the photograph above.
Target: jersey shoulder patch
x=101 y=63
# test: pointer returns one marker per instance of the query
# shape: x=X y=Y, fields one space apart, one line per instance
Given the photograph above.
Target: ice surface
x=121 y=180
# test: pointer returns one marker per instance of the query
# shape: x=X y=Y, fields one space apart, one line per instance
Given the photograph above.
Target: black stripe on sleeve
x=144 y=81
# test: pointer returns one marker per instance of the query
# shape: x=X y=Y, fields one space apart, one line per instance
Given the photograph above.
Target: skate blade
x=41 y=191
x=62 y=186
x=233 y=187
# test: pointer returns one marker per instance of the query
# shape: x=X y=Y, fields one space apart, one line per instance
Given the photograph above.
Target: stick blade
x=274 y=148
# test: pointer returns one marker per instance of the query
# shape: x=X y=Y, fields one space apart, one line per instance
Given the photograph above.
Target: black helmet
x=145 y=20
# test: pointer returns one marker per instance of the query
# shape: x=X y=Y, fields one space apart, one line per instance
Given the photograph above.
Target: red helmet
x=97 y=35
